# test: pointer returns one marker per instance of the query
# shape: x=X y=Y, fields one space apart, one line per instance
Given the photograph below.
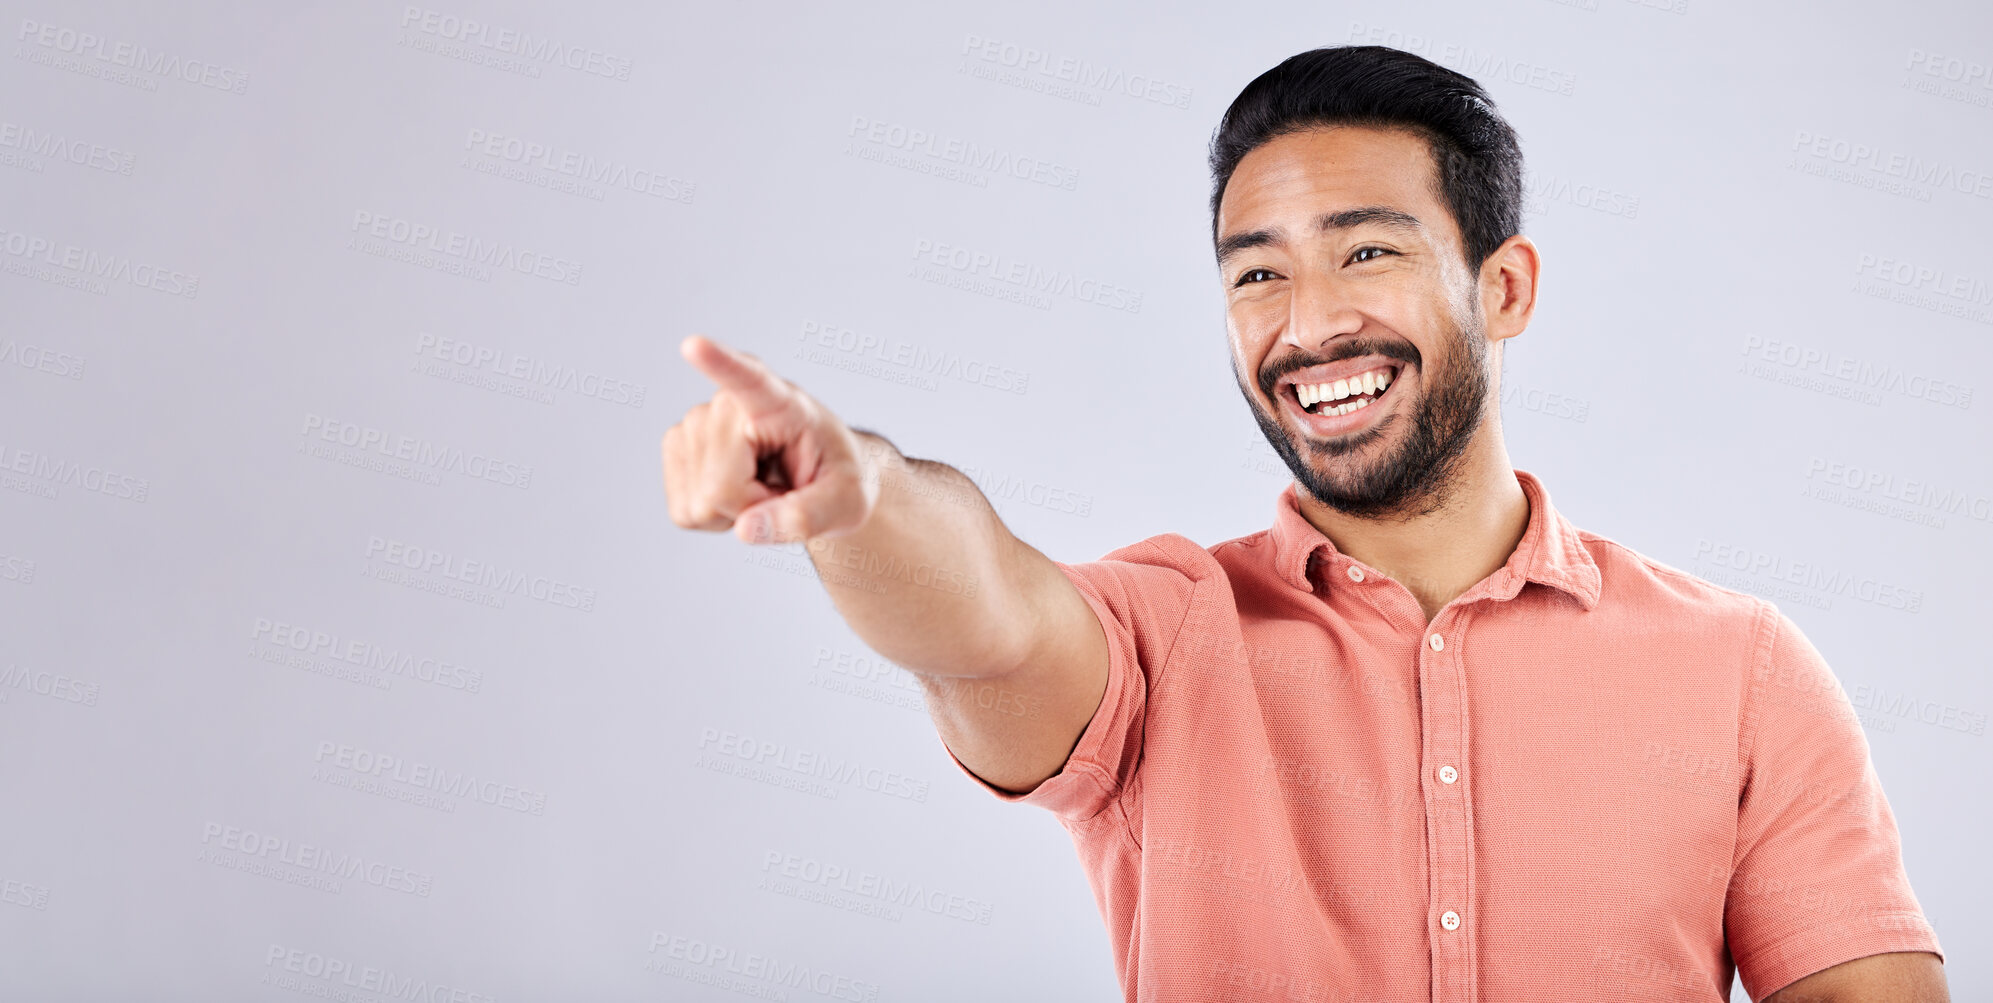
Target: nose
x=1318 y=311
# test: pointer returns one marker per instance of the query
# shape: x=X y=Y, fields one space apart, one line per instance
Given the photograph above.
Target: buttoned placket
x=1449 y=843
x=1443 y=781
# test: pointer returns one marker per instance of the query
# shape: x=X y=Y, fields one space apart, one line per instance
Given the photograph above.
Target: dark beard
x=1416 y=478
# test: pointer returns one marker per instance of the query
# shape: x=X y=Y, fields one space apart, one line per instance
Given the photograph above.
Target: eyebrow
x=1341 y=219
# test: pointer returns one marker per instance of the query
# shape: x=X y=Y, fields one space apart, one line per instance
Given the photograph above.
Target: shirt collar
x=1549 y=552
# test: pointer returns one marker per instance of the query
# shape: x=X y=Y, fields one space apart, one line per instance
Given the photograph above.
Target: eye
x=1357 y=255
x=1250 y=272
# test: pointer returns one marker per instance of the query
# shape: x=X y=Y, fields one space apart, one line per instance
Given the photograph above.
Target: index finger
x=746 y=377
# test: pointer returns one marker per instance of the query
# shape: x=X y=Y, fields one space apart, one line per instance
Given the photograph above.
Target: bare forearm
x=1893 y=977
x=927 y=579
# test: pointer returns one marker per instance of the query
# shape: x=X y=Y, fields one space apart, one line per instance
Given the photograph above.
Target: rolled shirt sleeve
x=1818 y=877
x=1141 y=594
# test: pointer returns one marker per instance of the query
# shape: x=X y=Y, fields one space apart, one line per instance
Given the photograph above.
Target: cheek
x=1397 y=306
x=1254 y=319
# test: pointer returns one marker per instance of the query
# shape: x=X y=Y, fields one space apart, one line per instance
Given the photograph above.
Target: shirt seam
x=1472 y=899
x=1122 y=794
x=1829 y=932
x=1764 y=644
x=1102 y=779
x=1656 y=567
x=1196 y=586
x=1127 y=823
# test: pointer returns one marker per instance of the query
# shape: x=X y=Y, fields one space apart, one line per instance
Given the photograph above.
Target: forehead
x=1304 y=173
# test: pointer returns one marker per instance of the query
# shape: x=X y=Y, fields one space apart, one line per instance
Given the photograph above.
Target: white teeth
x=1373 y=381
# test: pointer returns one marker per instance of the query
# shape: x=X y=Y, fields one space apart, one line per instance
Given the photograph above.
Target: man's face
x=1341 y=266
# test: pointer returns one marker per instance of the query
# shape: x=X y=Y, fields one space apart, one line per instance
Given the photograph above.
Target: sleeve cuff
x=1821 y=947
x=1086 y=784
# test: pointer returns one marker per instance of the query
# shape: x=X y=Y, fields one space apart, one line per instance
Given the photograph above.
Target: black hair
x=1479 y=175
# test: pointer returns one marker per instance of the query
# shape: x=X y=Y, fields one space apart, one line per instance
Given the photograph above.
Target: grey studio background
x=346 y=645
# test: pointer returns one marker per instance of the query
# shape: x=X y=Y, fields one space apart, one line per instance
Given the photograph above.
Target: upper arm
x=1818 y=876
x=1063 y=728
x=1016 y=729
x=1897 y=977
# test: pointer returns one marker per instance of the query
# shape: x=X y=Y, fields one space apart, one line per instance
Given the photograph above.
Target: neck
x=1444 y=552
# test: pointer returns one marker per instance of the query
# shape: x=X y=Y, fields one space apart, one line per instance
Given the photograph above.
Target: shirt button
x=1448 y=774
x=1355 y=573
x=1450 y=920
x=1438 y=643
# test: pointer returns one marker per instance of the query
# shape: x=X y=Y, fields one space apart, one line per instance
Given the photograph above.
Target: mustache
x=1269 y=377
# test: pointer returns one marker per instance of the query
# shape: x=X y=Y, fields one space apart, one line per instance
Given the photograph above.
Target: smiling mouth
x=1346 y=395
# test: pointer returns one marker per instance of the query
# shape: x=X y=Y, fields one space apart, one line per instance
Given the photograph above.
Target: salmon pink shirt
x=1590 y=777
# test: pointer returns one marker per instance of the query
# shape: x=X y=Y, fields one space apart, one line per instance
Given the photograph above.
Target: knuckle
x=707 y=515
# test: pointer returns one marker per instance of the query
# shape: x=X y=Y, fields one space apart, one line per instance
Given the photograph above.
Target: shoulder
x=1686 y=616
x=1240 y=552
x=1639 y=583
x=1172 y=551
x=1156 y=577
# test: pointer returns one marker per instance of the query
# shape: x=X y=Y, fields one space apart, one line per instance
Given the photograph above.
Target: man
x=1422 y=739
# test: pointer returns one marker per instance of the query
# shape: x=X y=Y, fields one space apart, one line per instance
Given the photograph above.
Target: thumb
x=824 y=505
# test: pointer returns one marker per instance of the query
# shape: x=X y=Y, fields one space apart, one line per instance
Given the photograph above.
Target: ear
x=1508 y=287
